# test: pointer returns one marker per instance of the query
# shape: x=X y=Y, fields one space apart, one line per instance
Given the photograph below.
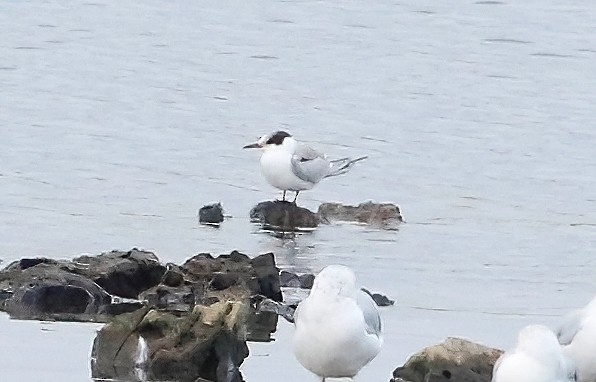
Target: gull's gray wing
x=370 y=312
x=498 y=364
x=309 y=164
x=571 y=324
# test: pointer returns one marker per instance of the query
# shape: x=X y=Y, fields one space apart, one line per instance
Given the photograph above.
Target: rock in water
x=283 y=216
x=206 y=343
x=121 y=273
x=377 y=214
x=455 y=359
x=259 y=275
x=211 y=214
x=379 y=299
x=47 y=292
x=94 y=288
x=293 y=280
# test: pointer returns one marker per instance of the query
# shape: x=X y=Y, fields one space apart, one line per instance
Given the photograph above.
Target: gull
x=537 y=357
x=293 y=166
x=338 y=328
x=577 y=334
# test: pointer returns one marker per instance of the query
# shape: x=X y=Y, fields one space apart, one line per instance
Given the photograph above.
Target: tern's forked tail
x=343 y=165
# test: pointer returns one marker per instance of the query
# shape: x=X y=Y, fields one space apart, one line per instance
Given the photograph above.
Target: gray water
x=118 y=120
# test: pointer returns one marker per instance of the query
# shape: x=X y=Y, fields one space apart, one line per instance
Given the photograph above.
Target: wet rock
x=211 y=214
x=115 y=309
x=382 y=300
x=379 y=299
x=181 y=298
x=306 y=280
x=455 y=359
x=67 y=290
x=120 y=273
x=289 y=279
x=283 y=216
x=28 y=263
x=205 y=343
x=292 y=280
x=282 y=309
x=376 y=214
x=45 y=291
x=115 y=347
x=4 y=295
x=259 y=275
x=173 y=275
x=267 y=276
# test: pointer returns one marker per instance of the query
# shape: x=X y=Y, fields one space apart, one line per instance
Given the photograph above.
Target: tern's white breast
x=276 y=165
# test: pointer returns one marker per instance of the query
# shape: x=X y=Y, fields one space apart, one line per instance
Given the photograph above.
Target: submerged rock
x=45 y=291
x=455 y=359
x=211 y=214
x=283 y=216
x=377 y=214
x=206 y=343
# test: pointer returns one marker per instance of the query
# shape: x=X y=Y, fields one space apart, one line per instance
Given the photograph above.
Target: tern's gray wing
x=370 y=312
x=309 y=164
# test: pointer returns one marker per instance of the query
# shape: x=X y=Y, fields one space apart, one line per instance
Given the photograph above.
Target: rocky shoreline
x=200 y=310
x=190 y=322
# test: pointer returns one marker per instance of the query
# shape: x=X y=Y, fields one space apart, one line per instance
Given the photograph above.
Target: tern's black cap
x=277 y=138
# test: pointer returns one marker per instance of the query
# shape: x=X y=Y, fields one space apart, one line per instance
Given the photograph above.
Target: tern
x=338 y=327
x=293 y=166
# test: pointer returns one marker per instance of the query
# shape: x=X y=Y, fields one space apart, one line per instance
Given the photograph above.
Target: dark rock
x=261 y=323
x=211 y=214
x=382 y=300
x=45 y=291
x=376 y=214
x=173 y=276
x=289 y=279
x=259 y=275
x=66 y=290
x=124 y=274
x=115 y=347
x=306 y=280
x=278 y=308
x=121 y=308
x=180 y=298
x=4 y=295
x=283 y=216
x=267 y=275
x=28 y=263
x=221 y=281
x=455 y=359
x=205 y=343
x=379 y=299
x=292 y=280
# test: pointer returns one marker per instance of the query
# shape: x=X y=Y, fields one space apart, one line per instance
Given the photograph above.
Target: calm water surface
x=118 y=120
